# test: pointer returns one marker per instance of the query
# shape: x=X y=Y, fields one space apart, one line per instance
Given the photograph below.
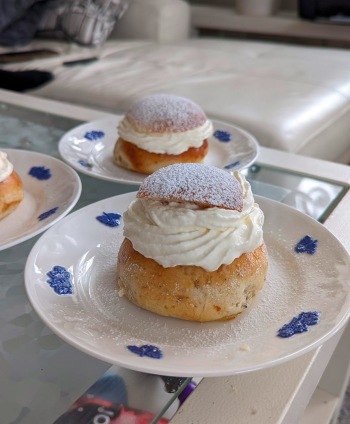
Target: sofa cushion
x=292 y=98
x=84 y=22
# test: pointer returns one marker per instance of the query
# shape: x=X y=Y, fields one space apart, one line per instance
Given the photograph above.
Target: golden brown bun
x=190 y=292
x=165 y=113
x=203 y=185
x=129 y=156
x=11 y=194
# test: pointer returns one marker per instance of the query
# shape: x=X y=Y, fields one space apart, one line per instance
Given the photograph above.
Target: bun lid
x=159 y=113
x=203 y=185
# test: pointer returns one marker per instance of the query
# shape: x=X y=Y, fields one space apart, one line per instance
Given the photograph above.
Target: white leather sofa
x=292 y=98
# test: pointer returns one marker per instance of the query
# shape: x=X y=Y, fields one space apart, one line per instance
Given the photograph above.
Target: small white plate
x=88 y=148
x=45 y=201
x=97 y=321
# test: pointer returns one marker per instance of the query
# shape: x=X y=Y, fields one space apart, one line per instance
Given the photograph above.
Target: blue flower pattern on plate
x=223 y=136
x=84 y=163
x=60 y=280
x=232 y=165
x=47 y=214
x=146 y=350
x=94 y=135
x=299 y=324
x=40 y=172
x=306 y=245
x=110 y=219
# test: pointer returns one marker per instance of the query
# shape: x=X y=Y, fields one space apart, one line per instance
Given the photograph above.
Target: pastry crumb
x=121 y=292
x=244 y=348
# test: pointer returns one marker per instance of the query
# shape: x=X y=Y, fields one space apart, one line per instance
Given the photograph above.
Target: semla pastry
x=193 y=246
x=159 y=130
x=11 y=187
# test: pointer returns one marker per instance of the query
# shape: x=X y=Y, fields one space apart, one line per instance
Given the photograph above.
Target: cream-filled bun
x=11 y=187
x=159 y=130
x=193 y=246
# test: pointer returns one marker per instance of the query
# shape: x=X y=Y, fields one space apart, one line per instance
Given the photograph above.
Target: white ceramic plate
x=88 y=148
x=46 y=200
x=97 y=321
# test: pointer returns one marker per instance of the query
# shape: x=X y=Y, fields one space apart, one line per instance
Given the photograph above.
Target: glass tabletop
x=41 y=375
x=313 y=196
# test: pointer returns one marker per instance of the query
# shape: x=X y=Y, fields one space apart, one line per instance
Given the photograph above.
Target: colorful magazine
x=128 y=397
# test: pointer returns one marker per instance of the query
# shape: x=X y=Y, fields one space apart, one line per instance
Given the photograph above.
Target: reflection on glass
x=311 y=196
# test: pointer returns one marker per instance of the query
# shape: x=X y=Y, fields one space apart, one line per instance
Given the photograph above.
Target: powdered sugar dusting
x=204 y=185
x=166 y=112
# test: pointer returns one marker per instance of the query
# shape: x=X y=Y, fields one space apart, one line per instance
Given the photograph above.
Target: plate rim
x=118 y=117
x=145 y=366
x=76 y=194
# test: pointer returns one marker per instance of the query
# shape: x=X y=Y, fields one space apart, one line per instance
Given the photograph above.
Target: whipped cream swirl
x=6 y=166
x=172 y=143
x=184 y=234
